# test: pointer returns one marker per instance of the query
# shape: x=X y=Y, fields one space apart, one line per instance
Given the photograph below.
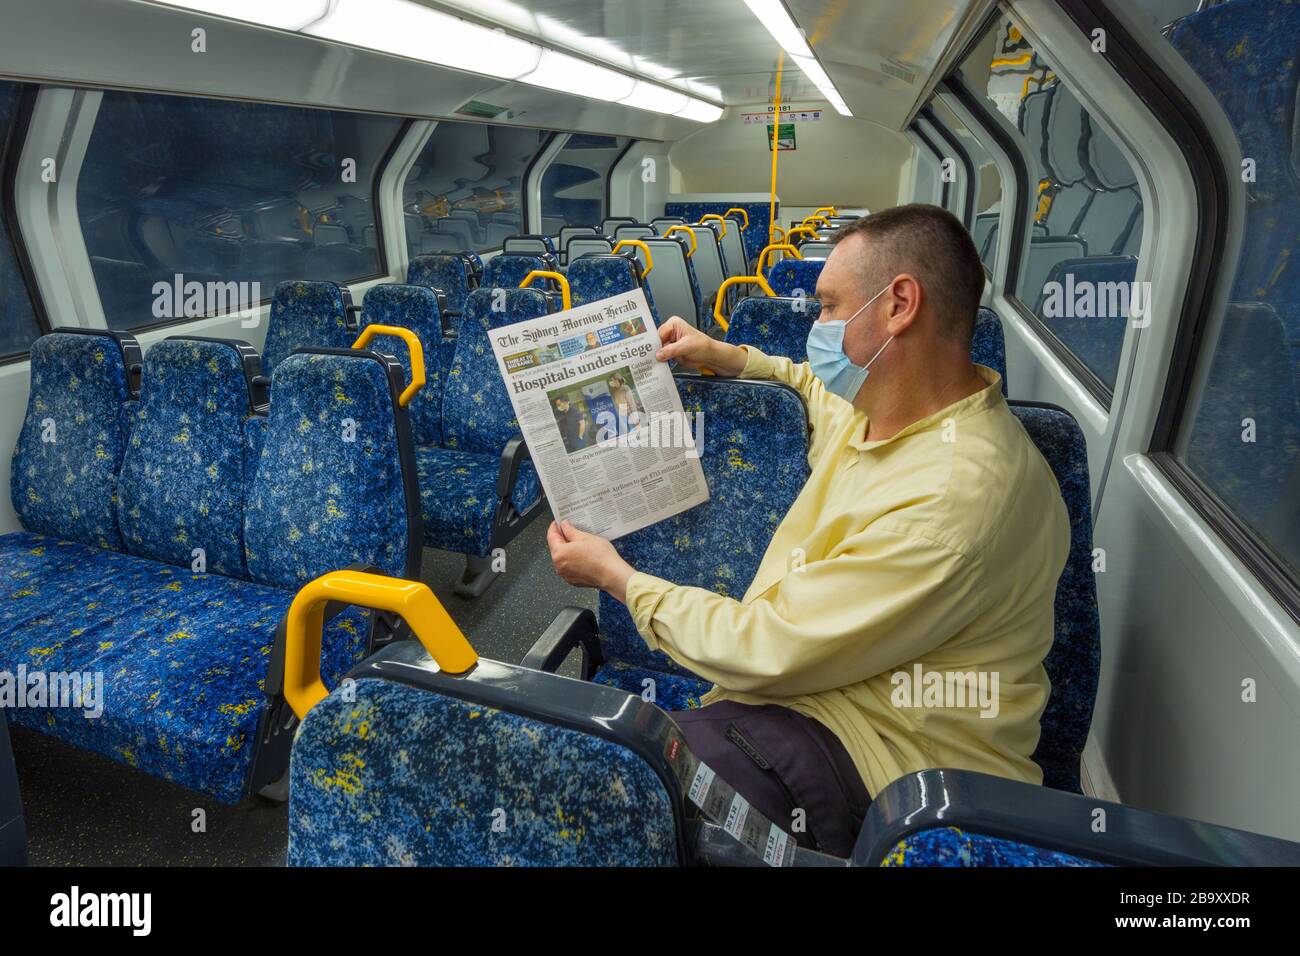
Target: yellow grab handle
x=772 y=235
x=775 y=247
x=412 y=345
x=543 y=274
x=637 y=243
x=714 y=215
x=800 y=231
x=743 y=212
x=808 y=219
x=727 y=284
x=825 y=209
x=690 y=232
x=411 y=600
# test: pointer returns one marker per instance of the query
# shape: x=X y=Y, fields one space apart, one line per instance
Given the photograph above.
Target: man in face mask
x=930 y=537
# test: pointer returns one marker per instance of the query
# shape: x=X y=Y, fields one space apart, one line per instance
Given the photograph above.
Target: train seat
x=507 y=271
x=734 y=260
x=708 y=262
x=452 y=275
x=774 y=325
x=416 y=308
x=568 y=232
x=754 y=235
x=528 y=245
x=575 y=247
x=308 y=314
x=988 y=346
x=595 y=276
x=958 y=818
x=789 y=276
x=177 y=648
x=673 y=281
x=755 y=463
x=479 y=490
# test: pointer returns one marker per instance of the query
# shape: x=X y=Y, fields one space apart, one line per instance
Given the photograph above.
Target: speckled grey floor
x=83 y=809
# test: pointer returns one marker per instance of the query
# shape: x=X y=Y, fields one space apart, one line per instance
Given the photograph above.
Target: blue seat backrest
x=988 y=346
x=476 y=411
x=953 y=847
x=403 y=775
x=775 y=326
x=450 y=275
x=181 y=487
x=335 y=481
x=755 y=460
x=790 y=275
x=759 y=218
x=1074 y=662
x=595 y=277
x=1092 y=328
x=507 y=271
x=305 y=314
x=63 y=480
x=412 y=307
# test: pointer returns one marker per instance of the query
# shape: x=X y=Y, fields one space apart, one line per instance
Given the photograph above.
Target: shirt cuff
x=644 y=592
x=757 y=364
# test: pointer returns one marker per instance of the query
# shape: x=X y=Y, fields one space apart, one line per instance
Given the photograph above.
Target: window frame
x=1167 y=102
x=12 y=148
x=946 y=193
x=961 y=154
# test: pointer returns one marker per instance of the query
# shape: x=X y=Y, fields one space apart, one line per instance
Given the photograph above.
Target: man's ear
x=905 y=303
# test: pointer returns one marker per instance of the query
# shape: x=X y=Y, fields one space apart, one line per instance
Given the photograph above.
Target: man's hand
x=588 y=560
x=694 y=349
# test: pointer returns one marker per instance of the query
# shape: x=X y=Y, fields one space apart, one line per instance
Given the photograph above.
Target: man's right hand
x=693 y=349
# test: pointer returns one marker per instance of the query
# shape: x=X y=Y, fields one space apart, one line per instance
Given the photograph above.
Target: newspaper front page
x=602 y=417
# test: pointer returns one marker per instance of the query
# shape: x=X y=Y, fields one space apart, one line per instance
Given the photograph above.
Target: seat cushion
x=951 y=847
x=458 y=496
x=670 y=691
x=182 y=656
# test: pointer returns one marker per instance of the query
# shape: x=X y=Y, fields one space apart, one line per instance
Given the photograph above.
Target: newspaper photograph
x=602 y=417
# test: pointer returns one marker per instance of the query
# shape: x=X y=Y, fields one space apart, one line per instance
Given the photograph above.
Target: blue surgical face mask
x=827 y=359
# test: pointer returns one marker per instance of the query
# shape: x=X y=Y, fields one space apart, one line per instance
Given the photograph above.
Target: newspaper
x=602 y=417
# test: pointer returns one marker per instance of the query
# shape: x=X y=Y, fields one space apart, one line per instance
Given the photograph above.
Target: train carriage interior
x=279 y=582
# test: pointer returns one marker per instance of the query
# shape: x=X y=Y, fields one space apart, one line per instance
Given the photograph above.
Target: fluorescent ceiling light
x=813 y=70
x=559 y=71
x=281 y=14
x=701 y=112
x=773 y=15
x=660 y=99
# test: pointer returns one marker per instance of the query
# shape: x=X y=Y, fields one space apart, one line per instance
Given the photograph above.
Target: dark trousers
x=782 y=762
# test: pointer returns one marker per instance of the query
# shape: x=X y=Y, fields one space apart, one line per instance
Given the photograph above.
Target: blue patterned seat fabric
x=305 y=314
x=435 y=772
x=594 y=277
x=774 y=326
x=1074 y=663
x=988 y=346
x=788 y=276
x=181 y=485
x=952 y=847
x=1095 y=334
x=450 y=275
x=63 y=479
x=759 y=219
x=458 y=482
x=181 y=656
x=668 y=691
x=755 y=460
x=507 y=271
x=413 y=307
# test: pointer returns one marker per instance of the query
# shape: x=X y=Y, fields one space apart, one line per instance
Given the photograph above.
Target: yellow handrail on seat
x=695 y=243
x=774 y=247
x=743 y=212
x=801 y=231
x=565 y=297
x=639 y=244
x=413 y=346
x=727 y=284
x=772 y=234
x=712 y=216
x=808 y=219
x=412 y=600
x=825 y=209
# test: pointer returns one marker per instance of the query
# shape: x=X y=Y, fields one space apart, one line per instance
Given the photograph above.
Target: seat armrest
x=573 y=627
x=512 y=456
x=1079 y=825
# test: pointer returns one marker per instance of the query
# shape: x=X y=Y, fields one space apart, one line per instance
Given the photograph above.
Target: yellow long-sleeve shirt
x=938 y=547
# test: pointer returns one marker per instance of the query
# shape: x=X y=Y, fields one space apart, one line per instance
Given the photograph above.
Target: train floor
x=83 y=809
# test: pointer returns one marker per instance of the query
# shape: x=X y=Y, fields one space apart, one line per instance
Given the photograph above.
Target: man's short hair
x=931 y=244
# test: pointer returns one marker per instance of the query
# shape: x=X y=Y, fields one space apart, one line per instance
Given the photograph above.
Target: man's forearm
x=727 y=360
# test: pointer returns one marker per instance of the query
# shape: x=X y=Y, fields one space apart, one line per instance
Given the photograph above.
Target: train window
x=987 y=180
x=1239 y=433
x=1079 y=279
x=574 y=185
x=223 y=192
x=465 y=191
x=19 y=325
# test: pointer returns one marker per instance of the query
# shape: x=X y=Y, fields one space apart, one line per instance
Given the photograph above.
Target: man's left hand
x=587 y=560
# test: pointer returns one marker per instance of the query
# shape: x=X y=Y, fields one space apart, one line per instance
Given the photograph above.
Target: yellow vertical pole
x=776 y=130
